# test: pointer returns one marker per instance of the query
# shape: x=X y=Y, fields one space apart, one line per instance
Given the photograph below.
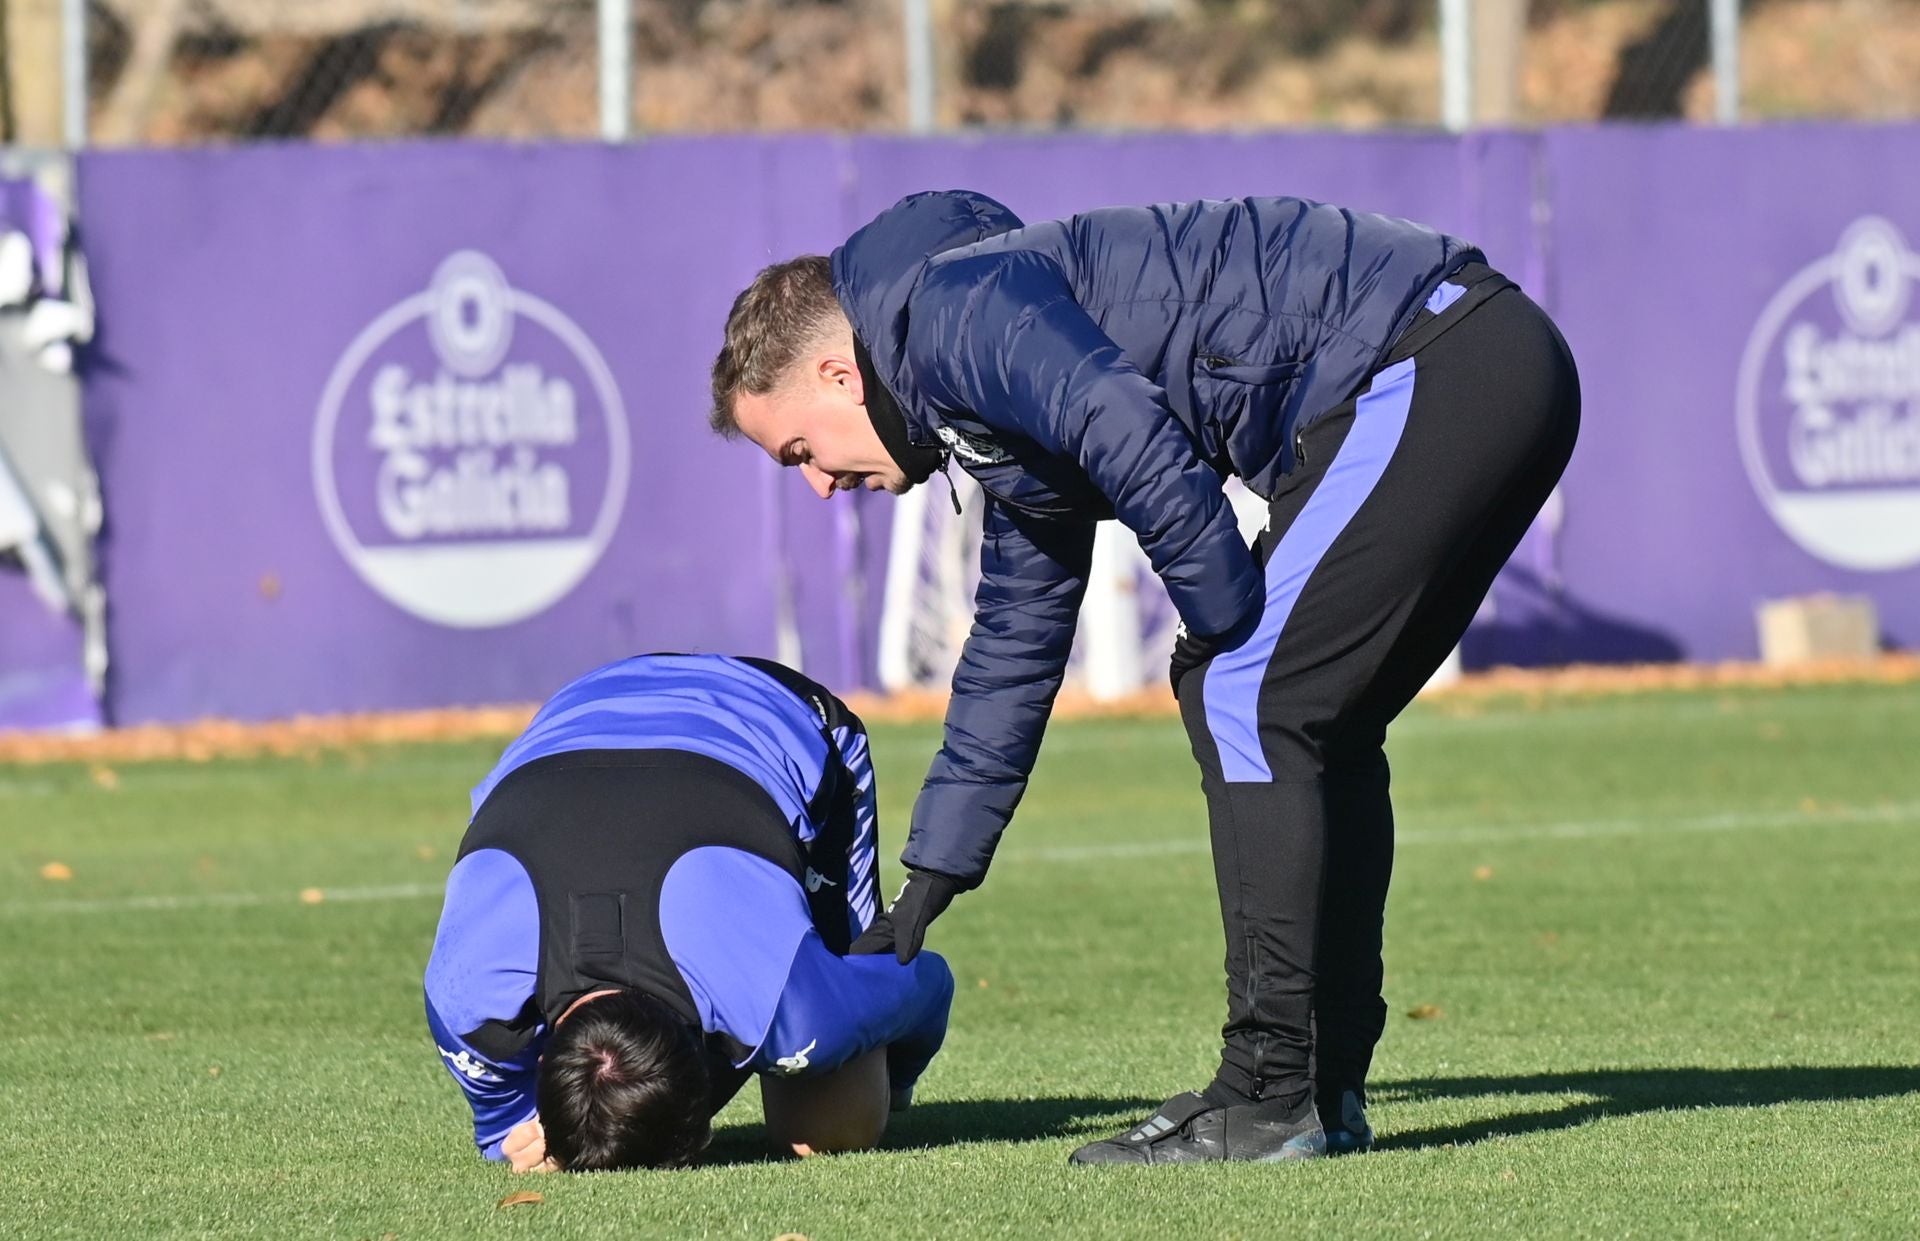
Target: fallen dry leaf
x=312 y=896
x=106 y=777
x=983 y=984
x=59 y=872
x=213 y=1070
x=522 y=1198
x=1483 y=873
x=1425 y=1012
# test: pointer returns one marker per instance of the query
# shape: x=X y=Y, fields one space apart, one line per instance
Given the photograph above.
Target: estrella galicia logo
x=1828 y=403
x=470 y=452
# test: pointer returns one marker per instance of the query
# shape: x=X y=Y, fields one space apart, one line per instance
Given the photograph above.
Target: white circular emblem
x=472 y=318
x=1828 y=404
x=470 y=451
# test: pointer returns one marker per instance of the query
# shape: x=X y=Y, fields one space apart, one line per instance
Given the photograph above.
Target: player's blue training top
x=768 y=982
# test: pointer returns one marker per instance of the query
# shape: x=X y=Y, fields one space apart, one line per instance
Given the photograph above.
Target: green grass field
x=1673 y=941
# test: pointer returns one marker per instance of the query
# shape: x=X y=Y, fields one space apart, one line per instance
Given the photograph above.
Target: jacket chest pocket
x=1231 y=396
x=1212 y=365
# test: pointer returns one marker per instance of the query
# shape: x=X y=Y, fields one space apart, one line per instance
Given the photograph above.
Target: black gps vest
x=598 y=830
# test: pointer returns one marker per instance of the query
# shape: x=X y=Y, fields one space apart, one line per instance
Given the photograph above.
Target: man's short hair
x=789 y=308
x=623 y=1084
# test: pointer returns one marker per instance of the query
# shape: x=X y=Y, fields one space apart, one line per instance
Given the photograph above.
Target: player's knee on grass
x=816 y=1114
x=623 y=1085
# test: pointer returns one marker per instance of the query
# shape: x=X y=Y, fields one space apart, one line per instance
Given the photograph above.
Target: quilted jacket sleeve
x=1000 y=334
x=1033 y=574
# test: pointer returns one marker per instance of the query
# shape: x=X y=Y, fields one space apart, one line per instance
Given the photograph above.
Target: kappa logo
x=787 y=1066
x=1828 y=403
x=816 y=881
x=471 y=451
x=469 y=1068
x=976 y=449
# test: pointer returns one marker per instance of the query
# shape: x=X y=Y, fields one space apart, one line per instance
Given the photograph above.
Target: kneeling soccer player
x=654 y=900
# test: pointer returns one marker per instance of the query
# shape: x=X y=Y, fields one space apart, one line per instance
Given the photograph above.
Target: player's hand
x=877 y=938
x=1189 y=652
x=526 y=1148
x=1192 y=650
x=924 y=897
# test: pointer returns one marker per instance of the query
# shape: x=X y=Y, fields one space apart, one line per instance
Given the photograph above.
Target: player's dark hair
x=788 y=307
x=623 y=1084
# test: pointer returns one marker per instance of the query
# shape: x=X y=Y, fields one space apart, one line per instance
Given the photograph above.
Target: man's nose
x=818 y=479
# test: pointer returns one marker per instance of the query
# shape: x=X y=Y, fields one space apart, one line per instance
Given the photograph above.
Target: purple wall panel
x=233 y=284
x=1422 y=177
x=43 y=680
x=1669 y=244
x=303 y=518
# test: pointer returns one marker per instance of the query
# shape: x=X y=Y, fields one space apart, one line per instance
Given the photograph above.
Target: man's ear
x=837 y=367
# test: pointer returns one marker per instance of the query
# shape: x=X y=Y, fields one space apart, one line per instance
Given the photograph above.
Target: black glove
x=903 y=928
x=1191 y=650
x=877 y=938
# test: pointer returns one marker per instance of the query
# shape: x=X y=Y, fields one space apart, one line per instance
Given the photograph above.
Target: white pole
x=1110 y=616
x=616 y=70
x=1456 y=64
x=904 y=550
x=919 y=33
x=73 y=70
x=1726 y=60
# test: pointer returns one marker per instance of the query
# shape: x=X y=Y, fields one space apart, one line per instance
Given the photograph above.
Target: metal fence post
x=73 y=71
x=1725 y=16
x=1456 y=64
x=616 y=70
x=919 y=35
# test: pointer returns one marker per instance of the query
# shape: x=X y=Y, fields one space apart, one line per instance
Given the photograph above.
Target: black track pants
x=1379 y=549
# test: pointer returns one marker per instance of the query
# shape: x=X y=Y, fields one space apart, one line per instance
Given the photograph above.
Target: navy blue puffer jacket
x=1119 y=363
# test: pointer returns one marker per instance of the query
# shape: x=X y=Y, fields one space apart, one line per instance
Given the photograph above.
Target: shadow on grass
x=1626 y=1092
x=952 y=1123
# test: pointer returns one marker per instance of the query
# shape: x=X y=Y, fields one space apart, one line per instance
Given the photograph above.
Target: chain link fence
x=184 y=71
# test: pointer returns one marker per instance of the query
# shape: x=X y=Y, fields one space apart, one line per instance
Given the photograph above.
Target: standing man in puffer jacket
x=1404 y=409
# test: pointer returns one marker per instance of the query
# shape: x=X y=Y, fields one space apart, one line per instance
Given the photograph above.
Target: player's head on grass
x=623 y=1084
x=789 y=379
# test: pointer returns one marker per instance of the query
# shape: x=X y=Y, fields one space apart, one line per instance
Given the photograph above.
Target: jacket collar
x=917 y=461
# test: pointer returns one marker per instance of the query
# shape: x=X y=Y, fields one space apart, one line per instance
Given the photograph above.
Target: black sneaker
x=1189 y=1129
x=1345 y=1122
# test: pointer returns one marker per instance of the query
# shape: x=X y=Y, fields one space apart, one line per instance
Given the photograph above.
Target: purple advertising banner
x=1739 y=304
x=43 y=680
x=403 y=426
x=416 y=425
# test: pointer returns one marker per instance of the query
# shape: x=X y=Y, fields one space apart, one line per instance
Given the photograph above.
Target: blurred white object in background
x=1815 y=627
x=16 y=268
x=22 y=534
